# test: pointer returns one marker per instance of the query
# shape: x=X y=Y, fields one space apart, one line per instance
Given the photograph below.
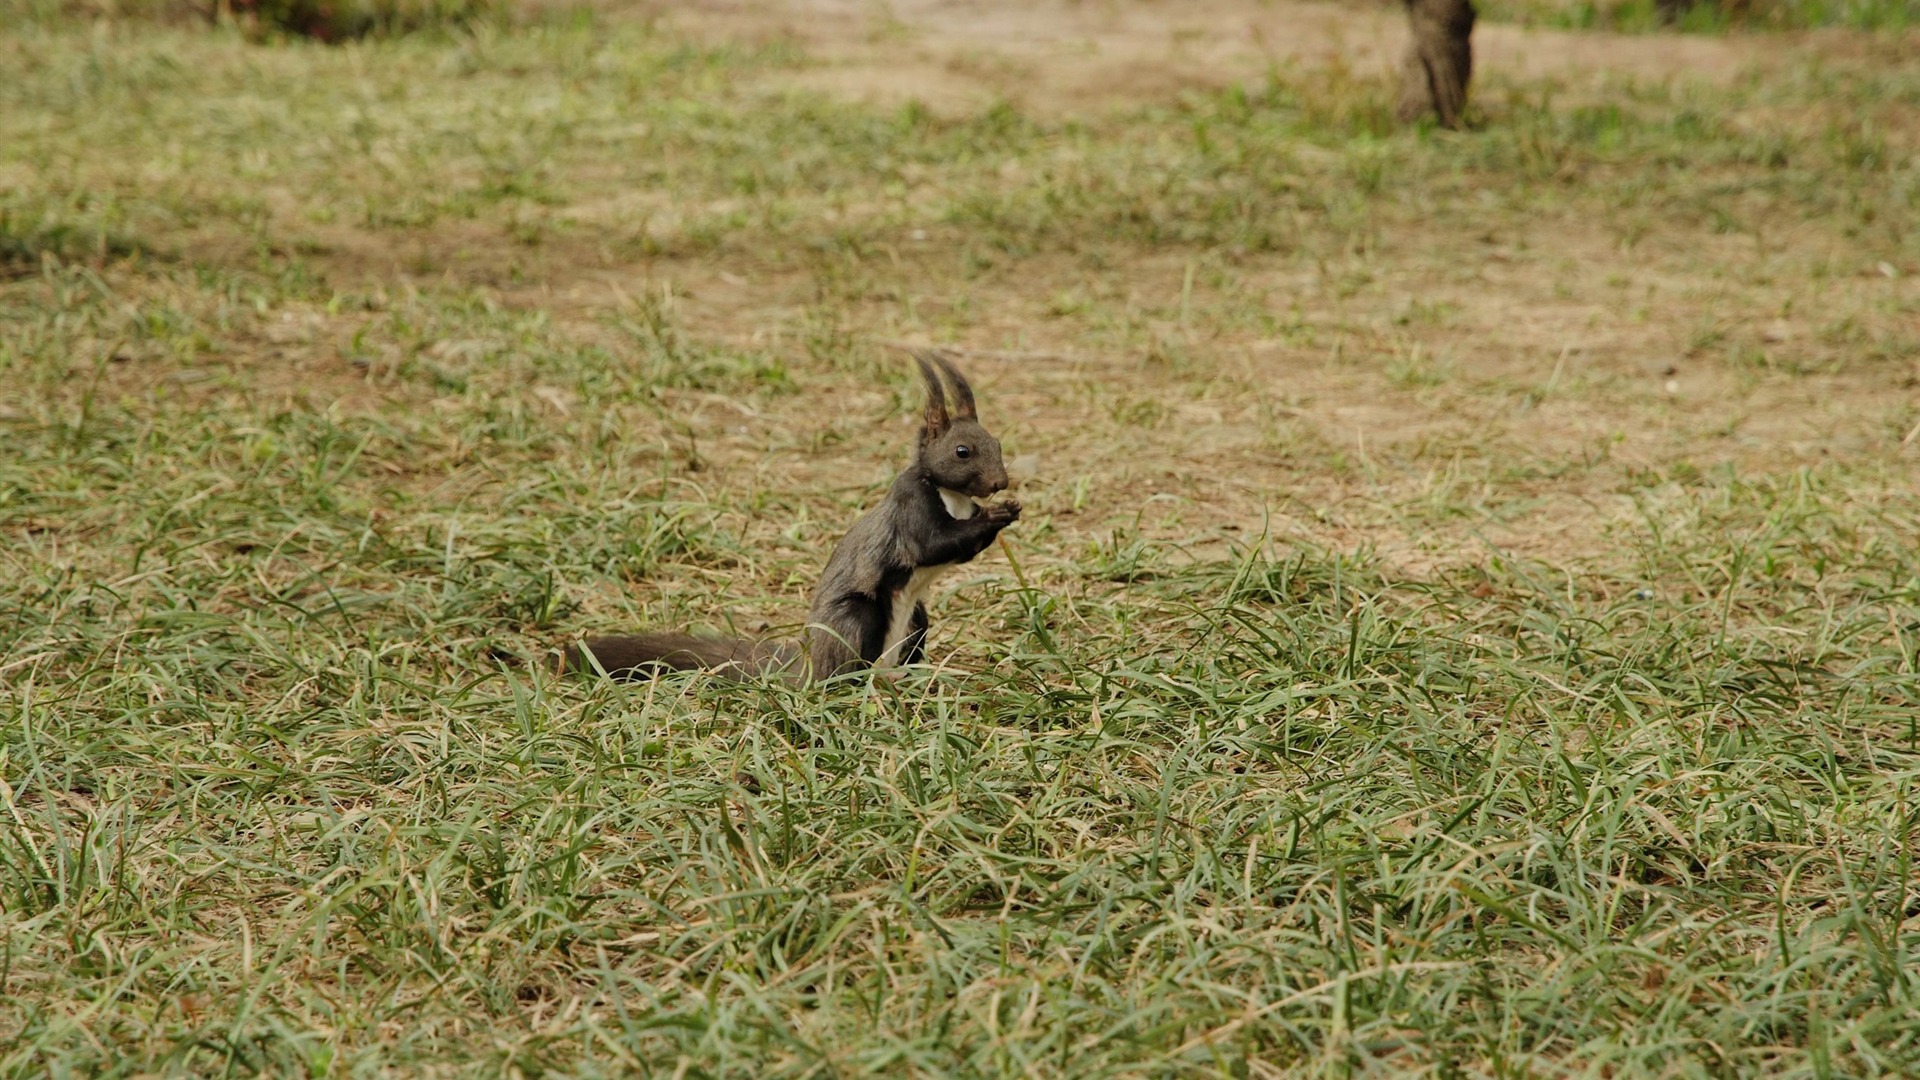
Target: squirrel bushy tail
x=642 y=656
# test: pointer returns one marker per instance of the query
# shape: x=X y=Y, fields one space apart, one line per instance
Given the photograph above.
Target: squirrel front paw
x=1001 y=513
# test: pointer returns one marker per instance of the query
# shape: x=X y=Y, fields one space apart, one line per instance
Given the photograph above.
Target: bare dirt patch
x=1062 y=56
x=1563 y=348
x=1437 y=389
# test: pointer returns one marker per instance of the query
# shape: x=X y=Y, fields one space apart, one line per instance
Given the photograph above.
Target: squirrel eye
x=963 y=450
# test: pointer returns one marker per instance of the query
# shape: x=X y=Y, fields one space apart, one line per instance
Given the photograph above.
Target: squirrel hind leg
x=914 y=648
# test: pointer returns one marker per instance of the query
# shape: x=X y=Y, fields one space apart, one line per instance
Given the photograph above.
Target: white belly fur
x=900 y=622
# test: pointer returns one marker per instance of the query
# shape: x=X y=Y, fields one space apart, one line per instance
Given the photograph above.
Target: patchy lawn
x=1465 y=619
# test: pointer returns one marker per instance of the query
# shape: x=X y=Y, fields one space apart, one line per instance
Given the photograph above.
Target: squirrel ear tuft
x=937 y=420
x=962 y=393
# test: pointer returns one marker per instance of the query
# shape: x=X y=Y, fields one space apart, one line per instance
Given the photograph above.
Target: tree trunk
x=1433 y=81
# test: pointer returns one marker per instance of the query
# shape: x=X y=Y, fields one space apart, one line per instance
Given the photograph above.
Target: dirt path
x=1513 y=322
x=1066 y=55
x=1438 y=389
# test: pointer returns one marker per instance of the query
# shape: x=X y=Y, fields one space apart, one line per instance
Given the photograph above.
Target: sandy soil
x=1063 y=55
x=1565 y=358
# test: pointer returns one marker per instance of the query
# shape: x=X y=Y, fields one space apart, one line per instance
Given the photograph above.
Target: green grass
x=340 y=378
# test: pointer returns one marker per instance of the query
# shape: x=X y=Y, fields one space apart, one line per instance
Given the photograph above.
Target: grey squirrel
x=870 y=607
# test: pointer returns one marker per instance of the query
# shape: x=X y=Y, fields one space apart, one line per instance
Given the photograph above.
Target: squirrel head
x=955 y=451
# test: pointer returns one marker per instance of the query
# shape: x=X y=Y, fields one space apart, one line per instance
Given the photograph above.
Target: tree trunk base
x=1439 y=63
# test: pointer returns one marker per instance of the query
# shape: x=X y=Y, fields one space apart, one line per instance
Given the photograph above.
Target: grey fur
x=871 y=568
x=645 y=655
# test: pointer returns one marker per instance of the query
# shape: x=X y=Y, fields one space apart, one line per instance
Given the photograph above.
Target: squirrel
x=870 y=607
